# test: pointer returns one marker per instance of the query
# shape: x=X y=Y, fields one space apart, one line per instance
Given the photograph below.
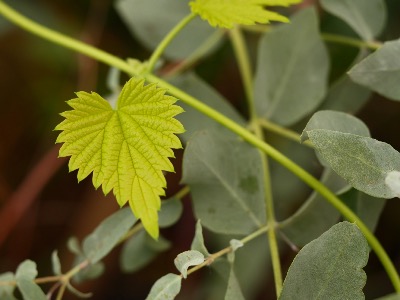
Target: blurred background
x=42 y=205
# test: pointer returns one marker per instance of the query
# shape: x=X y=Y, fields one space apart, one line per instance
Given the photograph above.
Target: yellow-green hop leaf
x=126 y=148
x=227 y=13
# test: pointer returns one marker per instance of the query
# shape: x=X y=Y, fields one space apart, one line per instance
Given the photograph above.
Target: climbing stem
x=349 y=41
x=243 y=59
x=114 y=61
x=282 y=131
x=167 y=40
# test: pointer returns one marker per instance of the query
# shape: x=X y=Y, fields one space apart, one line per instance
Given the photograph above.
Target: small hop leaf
x=126 y=148
x=227 y=13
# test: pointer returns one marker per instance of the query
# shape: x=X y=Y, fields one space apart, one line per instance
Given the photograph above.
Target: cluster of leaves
x=127 y=147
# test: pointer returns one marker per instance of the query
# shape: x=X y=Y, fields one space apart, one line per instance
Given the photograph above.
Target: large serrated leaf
x=226 y=14
x=25 y=275
x=329 y=267
x=287 y=86
x=126 y=148
x=380 y=71
x=367 y=18
x=151 y=20
x=104 y=238
x=226 y=182
x=165 y=288
x=362 y=161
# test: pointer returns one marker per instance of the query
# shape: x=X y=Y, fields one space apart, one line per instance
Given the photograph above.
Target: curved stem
x=167 y=40
x=63 y=40
x=112 y=60
x=243 y=59
x=239 y=47
x=283 y=131
x=199 y=53
x=328 y=37
x=340 y=39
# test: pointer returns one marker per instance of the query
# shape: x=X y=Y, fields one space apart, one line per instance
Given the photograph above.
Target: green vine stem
x=198 y=54
x=114 y=61
x=210 y=259
x=242 y=57
x=340 y=39
x=283 y=131
x=328 y=37
x=167 y=40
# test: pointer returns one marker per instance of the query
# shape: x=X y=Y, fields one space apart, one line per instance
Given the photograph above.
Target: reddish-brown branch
x=21 y=200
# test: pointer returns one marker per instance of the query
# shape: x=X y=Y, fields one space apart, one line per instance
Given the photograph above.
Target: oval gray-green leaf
x=336 y=121
x=329 y=267
x=226 y=182
x=26 y=273
x=6 y=291
x=233 y=290
x=151 y=20
x=366 y=207
x=140 y=250
x=362 y=161
x=316 y=215
x=188 y=259
x=170 y=212
x=165 y=288
x=55 y=263
x=345 y=95
x=198 y=240
x=380 y=71
x=367 y=18
x=292 y=70
x=104 y=238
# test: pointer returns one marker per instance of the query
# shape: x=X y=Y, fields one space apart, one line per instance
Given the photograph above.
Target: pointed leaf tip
x=126 y=148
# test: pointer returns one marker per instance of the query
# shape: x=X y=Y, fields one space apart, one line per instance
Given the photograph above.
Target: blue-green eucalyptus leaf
x=367 y=18
x=226 y=182
x=171 y=211
x=292 y=70
x=25 y=275
x=336 y=121
x=363 y=162
x=188 y=259
x=7 y=291
x=104 y=238
x=198 y=240
x=316 y=215
x=165 y=288
x=329 y=267
x=380 y=71
x=140 y=250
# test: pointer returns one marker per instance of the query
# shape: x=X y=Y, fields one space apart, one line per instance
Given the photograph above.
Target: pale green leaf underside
x=126 y=148
x=227 y=13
